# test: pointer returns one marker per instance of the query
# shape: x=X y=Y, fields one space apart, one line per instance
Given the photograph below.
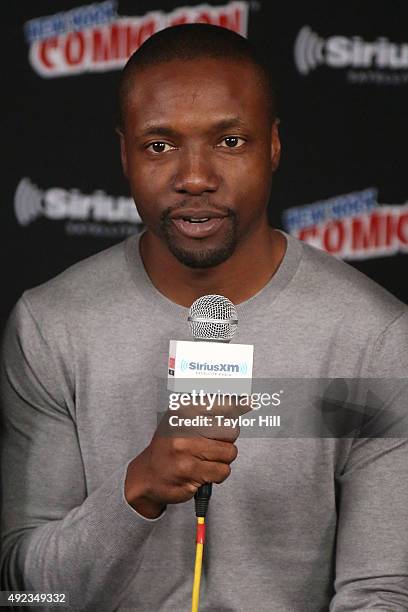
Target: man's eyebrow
x=164 y=130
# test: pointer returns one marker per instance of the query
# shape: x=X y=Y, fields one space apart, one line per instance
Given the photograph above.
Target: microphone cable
x=201 y=499
x=211 y=318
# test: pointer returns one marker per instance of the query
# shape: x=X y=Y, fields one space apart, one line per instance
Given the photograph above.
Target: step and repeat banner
x=342 y=75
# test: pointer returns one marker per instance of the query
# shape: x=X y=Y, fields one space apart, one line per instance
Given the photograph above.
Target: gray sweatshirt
x=306 y=524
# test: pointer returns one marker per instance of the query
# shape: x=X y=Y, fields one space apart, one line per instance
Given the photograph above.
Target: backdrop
x=342 y=73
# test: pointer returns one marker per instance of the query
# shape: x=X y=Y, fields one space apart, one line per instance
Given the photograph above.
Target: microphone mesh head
x=213 y=317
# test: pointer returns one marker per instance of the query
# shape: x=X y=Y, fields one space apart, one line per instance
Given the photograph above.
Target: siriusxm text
x=214 y=367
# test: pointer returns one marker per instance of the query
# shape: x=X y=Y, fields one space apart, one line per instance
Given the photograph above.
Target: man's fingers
x=212 y=471
x=220 y=433
x=205 y=449
x=215 y=450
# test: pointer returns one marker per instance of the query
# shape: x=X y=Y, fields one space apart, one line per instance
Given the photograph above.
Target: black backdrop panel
x=342 y=79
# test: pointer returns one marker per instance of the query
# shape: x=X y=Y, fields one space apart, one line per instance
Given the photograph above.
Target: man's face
x=199 y=153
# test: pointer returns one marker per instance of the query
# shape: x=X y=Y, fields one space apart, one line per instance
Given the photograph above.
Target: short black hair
x=192 y=41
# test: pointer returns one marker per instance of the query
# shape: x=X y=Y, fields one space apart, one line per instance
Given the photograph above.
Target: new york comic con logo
x=379 y=61
x=94 y=38
x=351 y=226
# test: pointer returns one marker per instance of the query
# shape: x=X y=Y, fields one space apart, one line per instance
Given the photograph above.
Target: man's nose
x=196 y=173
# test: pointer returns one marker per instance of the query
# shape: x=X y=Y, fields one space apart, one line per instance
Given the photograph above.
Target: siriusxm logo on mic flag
x=210 y=366
x=213 y=367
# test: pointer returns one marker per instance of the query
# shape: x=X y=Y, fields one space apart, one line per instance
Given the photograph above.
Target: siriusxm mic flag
x=210 y=367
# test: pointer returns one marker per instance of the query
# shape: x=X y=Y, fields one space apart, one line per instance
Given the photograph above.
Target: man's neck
x=243 y=275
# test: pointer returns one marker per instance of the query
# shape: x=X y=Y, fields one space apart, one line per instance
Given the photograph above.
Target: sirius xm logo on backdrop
x=96 y=214
x=380 y=61
x=94 y=38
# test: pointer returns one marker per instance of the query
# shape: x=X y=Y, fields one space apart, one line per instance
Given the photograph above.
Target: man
x=98 y=505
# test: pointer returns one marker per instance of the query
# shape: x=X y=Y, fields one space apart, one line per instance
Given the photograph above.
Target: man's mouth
x=198 y=226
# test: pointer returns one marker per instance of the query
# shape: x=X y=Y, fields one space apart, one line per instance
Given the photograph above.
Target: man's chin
x=202 y=253
x=202 y=257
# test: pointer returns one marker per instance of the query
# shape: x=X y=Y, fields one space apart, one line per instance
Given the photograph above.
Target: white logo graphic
x=210 y=366
x=373 y=58
x=95 y=214
x=308 y=50
x=27 y=202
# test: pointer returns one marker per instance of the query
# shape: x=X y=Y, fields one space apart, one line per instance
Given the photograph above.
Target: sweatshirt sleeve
x=55 y=537
x=372 y=536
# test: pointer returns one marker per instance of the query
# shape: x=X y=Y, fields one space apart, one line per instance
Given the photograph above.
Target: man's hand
x=177 y=463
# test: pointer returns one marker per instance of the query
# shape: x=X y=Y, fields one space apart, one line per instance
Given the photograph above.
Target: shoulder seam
x=30 y=312
x=382 y=334
x=24 y=301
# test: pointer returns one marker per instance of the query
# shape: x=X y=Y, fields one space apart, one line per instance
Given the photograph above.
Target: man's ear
x=275 y=145
x=123 y=155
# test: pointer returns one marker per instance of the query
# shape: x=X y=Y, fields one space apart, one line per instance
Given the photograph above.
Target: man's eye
x=233 y=142
x=159 y=147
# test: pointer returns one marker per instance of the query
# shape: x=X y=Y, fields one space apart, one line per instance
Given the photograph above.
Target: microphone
x=212 y=318
x=210 y=363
